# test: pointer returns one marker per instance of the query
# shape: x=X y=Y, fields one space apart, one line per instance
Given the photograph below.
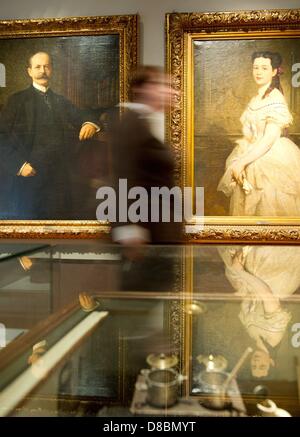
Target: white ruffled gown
x=276 y=266
x=272 y=181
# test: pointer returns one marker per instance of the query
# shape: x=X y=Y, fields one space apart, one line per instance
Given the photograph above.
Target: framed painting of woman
x=235 y=121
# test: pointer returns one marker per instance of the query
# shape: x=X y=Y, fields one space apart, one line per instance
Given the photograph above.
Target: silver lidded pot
x=162 y=387
x=215 y=382
x=211 y=381
x=214 y=392
x=162 y=380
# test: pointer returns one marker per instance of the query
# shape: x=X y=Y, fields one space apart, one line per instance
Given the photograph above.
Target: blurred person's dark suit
x=143 y=159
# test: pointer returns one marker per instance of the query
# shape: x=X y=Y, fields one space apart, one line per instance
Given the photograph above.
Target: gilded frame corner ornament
x=126 y=27
x=181 y=29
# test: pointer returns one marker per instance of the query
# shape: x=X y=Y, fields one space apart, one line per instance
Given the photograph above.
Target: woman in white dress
x=263 y=276
x=262 y=176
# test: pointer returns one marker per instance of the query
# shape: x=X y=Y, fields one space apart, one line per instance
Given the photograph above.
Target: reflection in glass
x=25 y=290
x=263 y=277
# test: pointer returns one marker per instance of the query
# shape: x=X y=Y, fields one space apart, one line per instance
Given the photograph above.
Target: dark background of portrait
x=85 y=71
x=223 y=87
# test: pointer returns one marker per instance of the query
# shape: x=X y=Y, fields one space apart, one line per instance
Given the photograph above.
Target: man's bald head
x=35 y=55
x=40 y=68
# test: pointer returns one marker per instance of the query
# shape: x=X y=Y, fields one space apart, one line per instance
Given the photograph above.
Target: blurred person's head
x=151 y=86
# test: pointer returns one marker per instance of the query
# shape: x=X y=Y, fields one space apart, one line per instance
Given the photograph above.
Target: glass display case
x=25 y=288
x=159 y=330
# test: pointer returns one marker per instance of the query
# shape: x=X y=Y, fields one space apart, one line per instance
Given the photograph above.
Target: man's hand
x=25 y=262
x=87 y=131
x=87 y=302
x=27 y=171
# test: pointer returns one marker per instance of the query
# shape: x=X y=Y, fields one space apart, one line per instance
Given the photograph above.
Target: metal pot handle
x=141 y=386
x=181 y=378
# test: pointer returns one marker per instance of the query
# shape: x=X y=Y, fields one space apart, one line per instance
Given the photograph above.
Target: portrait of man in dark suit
x=38 y=129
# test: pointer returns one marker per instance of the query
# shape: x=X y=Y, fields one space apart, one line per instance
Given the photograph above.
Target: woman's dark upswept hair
x=276 y=61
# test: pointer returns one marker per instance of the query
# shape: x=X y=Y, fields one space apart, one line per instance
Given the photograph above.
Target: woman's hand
x=238 y=172
x=237 y=260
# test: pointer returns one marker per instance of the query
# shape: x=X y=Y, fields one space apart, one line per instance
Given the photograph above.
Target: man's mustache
x=43 y=76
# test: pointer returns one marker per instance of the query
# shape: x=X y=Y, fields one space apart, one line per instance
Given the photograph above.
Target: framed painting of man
x=60 y=78
x=235 y=121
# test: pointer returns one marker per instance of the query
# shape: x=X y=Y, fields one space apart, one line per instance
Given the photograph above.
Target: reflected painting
x=251 y=296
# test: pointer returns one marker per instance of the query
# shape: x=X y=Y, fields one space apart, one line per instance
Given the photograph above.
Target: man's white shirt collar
x=156 y=119
x=141 y=108
x=41 y=88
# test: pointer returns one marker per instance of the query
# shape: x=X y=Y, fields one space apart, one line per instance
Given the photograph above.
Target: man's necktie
x=47 y=100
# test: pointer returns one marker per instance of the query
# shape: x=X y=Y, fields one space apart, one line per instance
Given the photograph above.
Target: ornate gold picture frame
x=209 y=57
x=90 y=59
